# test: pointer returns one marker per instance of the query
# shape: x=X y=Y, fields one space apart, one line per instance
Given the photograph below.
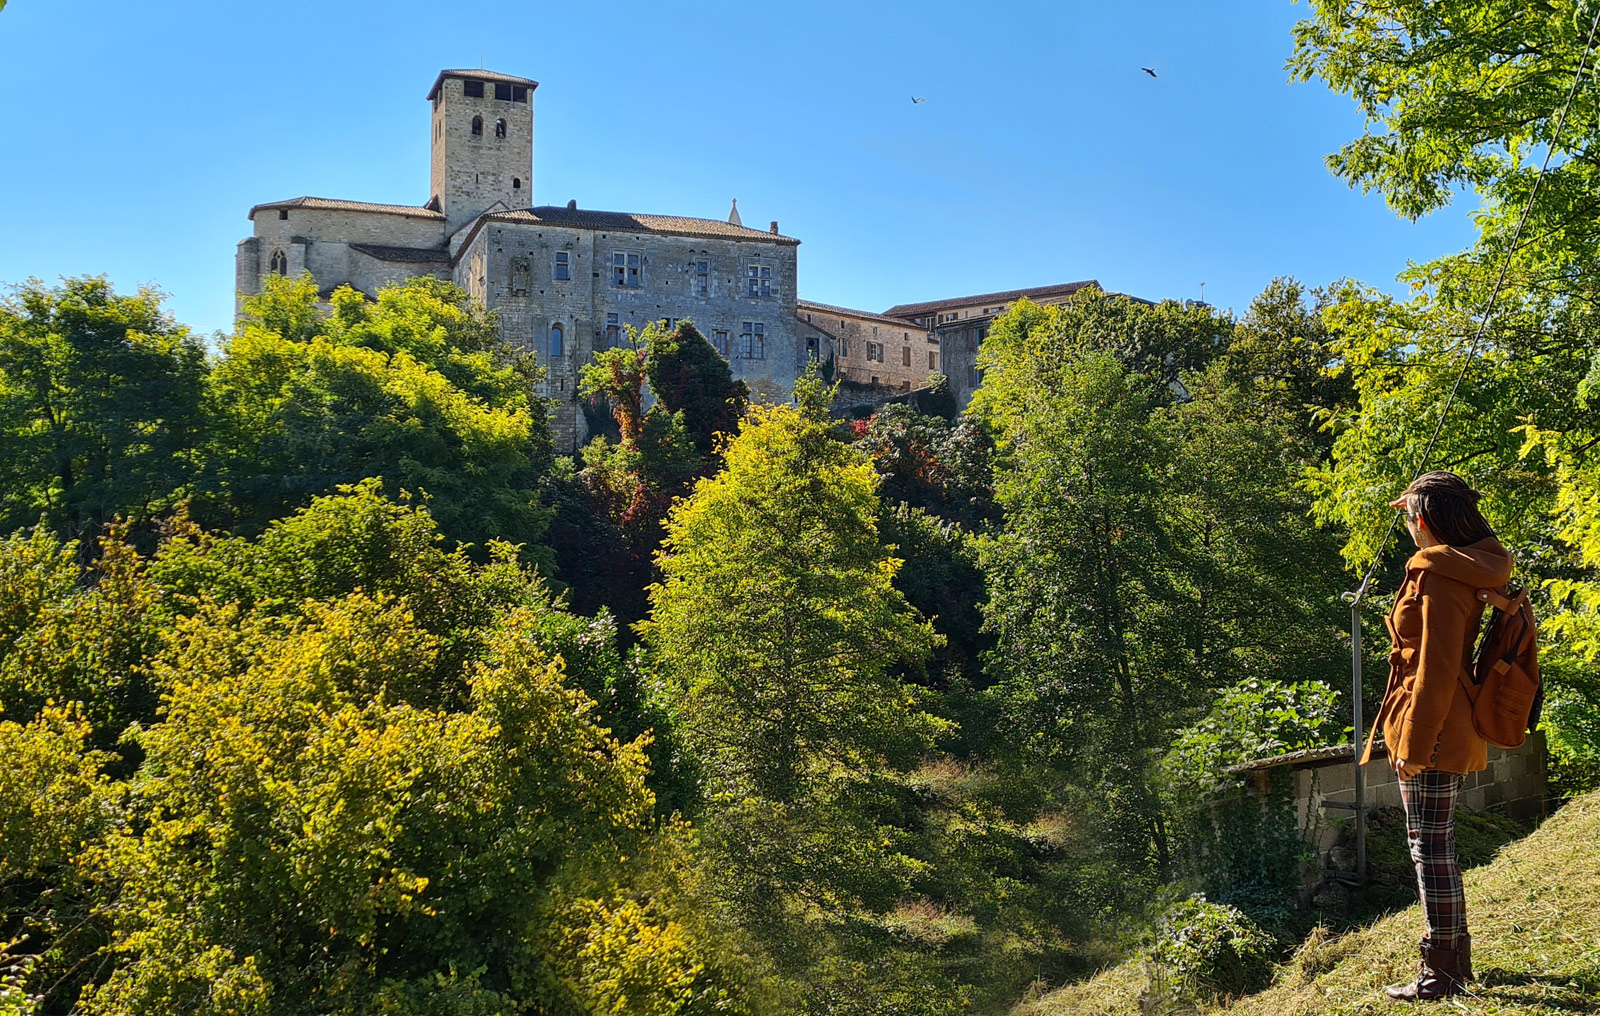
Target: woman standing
x=1426 y=717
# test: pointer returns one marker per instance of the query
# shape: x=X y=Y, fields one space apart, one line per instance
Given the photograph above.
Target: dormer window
x=477 y=125
x=499 y=128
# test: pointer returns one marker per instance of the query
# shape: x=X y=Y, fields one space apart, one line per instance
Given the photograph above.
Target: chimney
x=774 y=229
x=572 y=205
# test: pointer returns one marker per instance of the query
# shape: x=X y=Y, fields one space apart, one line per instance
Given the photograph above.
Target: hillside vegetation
x=1535 y=918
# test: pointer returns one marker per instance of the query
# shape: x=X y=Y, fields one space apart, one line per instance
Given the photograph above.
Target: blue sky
x=136 y=136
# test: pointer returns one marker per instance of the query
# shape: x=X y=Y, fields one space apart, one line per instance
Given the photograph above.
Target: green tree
x=1154 y=547
x=100 y=404
x=413 y=389
x=690 y=377
x=778 y=626
x=1468 y=95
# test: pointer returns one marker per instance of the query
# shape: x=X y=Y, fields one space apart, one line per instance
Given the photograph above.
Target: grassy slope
x=1535 y=918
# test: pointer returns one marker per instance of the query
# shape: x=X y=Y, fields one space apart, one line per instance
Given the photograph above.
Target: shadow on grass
x=1556 y=991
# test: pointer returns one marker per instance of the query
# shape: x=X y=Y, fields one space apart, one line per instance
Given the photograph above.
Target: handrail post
x=1357 y=732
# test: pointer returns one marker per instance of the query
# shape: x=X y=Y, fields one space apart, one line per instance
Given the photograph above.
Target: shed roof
x=478 y=74
x=930 y=306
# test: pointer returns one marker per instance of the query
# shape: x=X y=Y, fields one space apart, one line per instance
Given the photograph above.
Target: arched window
x=499 y=128
x=279 y=263
x=477 y=125
x=557 y=346
x=516 y=183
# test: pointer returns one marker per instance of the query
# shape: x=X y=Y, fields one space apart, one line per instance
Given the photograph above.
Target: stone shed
x=1323 y=783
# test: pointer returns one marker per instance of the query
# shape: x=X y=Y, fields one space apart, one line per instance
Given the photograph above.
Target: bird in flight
x=1148 y=71
x=918 y=98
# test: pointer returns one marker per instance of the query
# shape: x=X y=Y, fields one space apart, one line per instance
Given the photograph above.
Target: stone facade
x=959 y=325
x=875 y=349
x=565 y=281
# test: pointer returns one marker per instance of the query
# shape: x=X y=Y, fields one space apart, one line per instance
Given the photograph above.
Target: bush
x=1209 y=952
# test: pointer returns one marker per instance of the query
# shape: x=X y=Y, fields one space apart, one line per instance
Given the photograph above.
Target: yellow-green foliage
x=374 y=784
x=777 y=615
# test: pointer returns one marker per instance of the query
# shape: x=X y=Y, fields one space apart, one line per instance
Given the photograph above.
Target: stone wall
x=512 y=268
x=1515 y=783
x=319 y=240
x=908 y=353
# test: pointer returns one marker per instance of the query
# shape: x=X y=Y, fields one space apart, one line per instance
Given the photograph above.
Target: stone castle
x=567 y=281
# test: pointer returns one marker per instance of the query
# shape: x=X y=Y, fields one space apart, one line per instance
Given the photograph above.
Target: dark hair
x=1449 y=507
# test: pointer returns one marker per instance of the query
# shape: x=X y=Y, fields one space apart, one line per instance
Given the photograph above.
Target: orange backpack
x=1504 y=688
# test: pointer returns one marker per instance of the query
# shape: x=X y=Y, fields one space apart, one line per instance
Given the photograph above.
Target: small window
x=874 y=379
x=557 y=343
x=500 y=128
x=811 y=347
x=625 y=268
x=278 y=264
x=502 y=92
x=933 y=360
x=702 y=278
x=972 y=377
x=516 y=183
x=905 y=357
x=905 y=386
x=719 y=341
x=874 y=352
x=477 y=126
x=472 y=88
x=758 y=279
x=754 y=340
x=283 y=214
x=613 y=332
x=519 y=93
x=563 y=266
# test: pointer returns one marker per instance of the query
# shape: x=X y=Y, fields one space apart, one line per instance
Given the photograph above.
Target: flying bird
x=1148 y=71
x=918 y=98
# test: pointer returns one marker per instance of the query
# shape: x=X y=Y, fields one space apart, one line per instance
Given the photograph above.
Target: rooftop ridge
x=1059 y=289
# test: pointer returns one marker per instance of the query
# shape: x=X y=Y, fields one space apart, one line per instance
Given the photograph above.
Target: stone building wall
x=511 y=266
x=874 y=349
x=320 y=240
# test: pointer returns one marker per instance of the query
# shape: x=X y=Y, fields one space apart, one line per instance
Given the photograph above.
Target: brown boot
x=1440 y=977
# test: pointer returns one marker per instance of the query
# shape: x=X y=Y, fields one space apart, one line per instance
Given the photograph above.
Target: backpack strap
x=1499 y=600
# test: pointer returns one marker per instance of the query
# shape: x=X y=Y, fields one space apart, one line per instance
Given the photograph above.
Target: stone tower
x=482 y=144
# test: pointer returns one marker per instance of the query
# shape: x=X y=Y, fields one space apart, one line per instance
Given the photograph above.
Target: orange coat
x=1426 y=717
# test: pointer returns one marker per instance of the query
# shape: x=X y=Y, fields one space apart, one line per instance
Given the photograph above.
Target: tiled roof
x=384 y=252
x=479 y=75
x=335 y=204
x=865 y=315
x=628 y=222
x=1037 y=292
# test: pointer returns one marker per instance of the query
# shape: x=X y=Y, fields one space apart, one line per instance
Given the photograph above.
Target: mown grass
x=1535 y=917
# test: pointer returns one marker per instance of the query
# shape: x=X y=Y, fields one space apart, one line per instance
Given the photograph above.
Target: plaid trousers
x=1430 y=804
